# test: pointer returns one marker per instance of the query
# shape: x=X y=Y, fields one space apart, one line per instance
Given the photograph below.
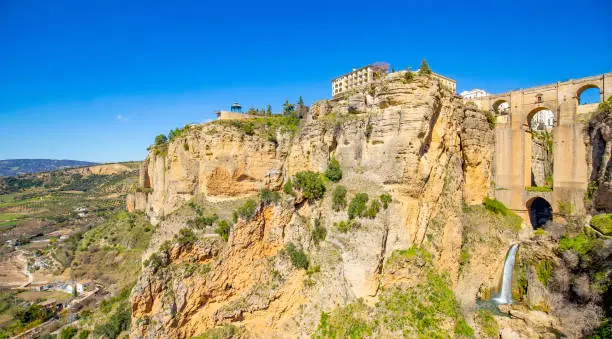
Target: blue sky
x=97 y=80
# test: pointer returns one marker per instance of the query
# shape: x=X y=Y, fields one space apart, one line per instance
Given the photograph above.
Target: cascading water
x=505 y=294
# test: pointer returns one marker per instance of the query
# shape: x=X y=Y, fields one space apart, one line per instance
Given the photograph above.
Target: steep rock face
x=413 y=140
x=599 y=159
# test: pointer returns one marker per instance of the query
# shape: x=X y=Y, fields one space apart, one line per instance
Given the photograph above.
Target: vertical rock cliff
x=411 y=139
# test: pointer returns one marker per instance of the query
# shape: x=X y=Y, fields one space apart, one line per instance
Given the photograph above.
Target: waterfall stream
x=505 y=294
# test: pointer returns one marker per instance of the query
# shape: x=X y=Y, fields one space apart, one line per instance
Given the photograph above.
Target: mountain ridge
x=14 y=167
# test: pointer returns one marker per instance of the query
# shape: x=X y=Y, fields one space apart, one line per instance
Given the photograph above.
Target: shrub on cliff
x=372 y=210
x=339 y=198
x=186 y=237
x=247 y=210
x=358 y=206
x=267 y=196
x=319 y=232
x=288 y=188
x=424 y=69
x=333 y=171
x=223 y=229
x=386 y=199
x=310 y=184
x=160 y=140
x=298 y=257
x=603 y=223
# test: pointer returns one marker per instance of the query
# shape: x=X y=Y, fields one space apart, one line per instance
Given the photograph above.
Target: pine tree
x=300 y=107
x=269 y=110
x=288 y=108
x=424 y=69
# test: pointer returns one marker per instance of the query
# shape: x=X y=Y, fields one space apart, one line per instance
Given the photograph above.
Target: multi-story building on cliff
x=373 y=73
x=359 y=77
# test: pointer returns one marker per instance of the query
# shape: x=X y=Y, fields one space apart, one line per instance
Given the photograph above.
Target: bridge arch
x=588 y=94
x=544 y=114
x=540 y=211
x=501 y=107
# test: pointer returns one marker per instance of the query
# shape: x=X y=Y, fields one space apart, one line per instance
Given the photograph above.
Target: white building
x=543 y=120
x=475 y=93
x=359 y=77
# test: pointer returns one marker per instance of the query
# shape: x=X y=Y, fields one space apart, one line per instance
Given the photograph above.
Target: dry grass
x=36 y=295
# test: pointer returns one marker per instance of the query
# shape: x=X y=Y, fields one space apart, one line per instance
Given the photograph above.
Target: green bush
x=386 y=199
x=496 y=206
x=319 y=232
x=223 y=229
x=345 y=226
x=407 y=77
x=373 y=209
x=160 y=140
x=581 y=244
x=350 y=321
x=310 y=184
x=223 y=332
x=339 y=198
x=203 y=221
x=186 y=237
x=247 y=210
x=358 y=207
x=68 y=332
x=268 y=196
x=488 y=324
x=333 y=171
x=83 y=334
x=298 y=257
x=120 y=321
x=288 y=188
x=538 y=189
x=462 y=329
x=544 y=269
x=604 y=331
x=424 y=69
x=602 y=223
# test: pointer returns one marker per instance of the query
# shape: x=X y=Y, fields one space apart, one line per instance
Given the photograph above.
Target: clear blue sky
x=97 y=80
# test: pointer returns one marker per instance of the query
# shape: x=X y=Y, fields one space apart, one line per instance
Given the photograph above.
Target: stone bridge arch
x=540 y=211
x=512 y=156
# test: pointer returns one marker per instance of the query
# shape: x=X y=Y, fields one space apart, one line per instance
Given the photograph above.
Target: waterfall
x=505 y=294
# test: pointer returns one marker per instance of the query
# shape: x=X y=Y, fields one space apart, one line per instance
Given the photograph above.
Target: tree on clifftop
x=424 y=69
x=161 y=139
x=301 y=109
x=269 y=110
x=288 y=108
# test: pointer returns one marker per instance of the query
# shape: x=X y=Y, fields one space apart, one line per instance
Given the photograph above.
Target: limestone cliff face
x=599 y=158
x=415 y=141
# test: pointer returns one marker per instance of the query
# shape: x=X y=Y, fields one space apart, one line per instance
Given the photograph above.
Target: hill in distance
x=14 y=167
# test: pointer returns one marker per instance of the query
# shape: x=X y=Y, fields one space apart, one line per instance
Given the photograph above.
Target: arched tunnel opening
x=540 y=212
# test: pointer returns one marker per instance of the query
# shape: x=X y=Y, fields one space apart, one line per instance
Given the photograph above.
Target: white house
x=475 y=93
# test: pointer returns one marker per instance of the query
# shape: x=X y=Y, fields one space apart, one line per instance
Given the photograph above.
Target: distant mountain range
x=13 y=167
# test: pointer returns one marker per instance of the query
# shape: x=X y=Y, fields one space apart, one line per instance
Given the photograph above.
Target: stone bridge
x=513 y=143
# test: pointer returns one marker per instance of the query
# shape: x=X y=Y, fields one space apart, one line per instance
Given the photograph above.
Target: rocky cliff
x=293 y=265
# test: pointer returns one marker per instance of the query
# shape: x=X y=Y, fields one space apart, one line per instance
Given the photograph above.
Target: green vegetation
x=602 y=223
x=223 y=332
x=538 y=189
x=386 y=199
x=464 y=258
x=319 y=232
x=265 y=126
x=298 y=258
x=247 y=210
x=333 y=171
x=205 y=220
x=288 y=188
x=161 y=139
x=372 y=210
x=339 y=198
x=186 y=237
x=491 y=119
x=497 y=207
x=346 y=225
x=267 y=196
x=358 y=206
x=407 y=77
x=223 y=229
x=417 y=312
x=351 y=321
x=544 y=269
x=488 y=324
x=119 y=321
x=310 y=184
x=424 y=69
x=582 y=244
x=68 y=332
x=540 y=232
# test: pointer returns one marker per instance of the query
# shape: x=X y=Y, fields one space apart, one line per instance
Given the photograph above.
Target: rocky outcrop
x=415 y=141
x=599 y=159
